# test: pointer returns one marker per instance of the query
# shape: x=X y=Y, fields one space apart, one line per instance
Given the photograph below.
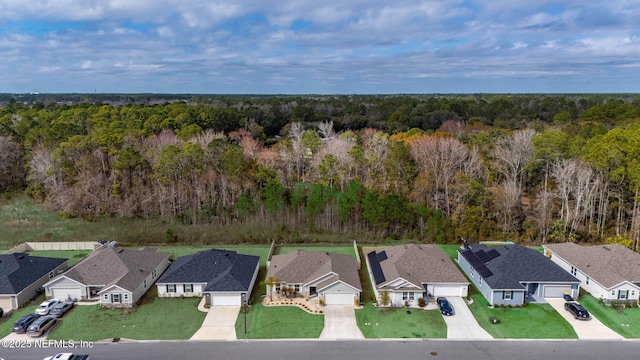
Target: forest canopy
x=530 y=168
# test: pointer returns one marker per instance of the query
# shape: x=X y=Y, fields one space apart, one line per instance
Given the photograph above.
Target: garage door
x=448 y=290
x=65 y=293
x=225 y=300
x=5 y=303
x=339 y=299
x=556 y=291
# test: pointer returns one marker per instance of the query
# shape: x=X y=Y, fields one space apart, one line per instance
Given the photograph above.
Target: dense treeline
x=532 y=168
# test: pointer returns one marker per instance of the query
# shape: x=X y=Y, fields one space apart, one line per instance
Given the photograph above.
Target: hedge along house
x=513 y=274
x=22 y=277
x=410 y=272
x=115 y=276
x=333 y=278
x=223 y=277
x=609 y=272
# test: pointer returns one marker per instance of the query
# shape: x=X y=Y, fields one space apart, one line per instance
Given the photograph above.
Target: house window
x=153 y=274
x=574 y=271
x=188 y=288
x=145 y=283
x=622 y=294
x=479 y=281
x=50 y=275
x=587 y=281
x=278 y=286
x=613 y=293
x=472 y=272
x=507 y=295
x=115 y=298
x=408 y=296
x=126 y=296
x=106 y=296
x=296 y=288
x=633 y=293
x=171 y=287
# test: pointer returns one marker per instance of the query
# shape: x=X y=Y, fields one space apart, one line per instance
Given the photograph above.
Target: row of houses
x=505 y=275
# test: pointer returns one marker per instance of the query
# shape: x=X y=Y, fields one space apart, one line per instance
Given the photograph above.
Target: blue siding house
x=513 y=274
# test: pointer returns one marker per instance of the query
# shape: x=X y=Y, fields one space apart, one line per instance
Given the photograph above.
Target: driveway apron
x=462 y=325
x=585 y=329
x=220 y=324
x=340 y=323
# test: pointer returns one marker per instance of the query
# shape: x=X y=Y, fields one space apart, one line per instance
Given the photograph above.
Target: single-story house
x=22 y=277
x=223 y=277
x=116 y=276
x=609 y=272
x=513 y=274
x=410 y=272
x=328 y=276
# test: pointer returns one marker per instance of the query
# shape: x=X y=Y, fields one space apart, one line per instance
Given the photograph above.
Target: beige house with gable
x=117 y=277
x=409 y=272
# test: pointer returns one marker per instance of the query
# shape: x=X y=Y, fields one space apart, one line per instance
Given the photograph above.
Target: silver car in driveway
x=40 y=326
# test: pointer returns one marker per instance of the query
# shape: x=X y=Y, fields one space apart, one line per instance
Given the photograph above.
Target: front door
x=533 y=288
x=312 y=291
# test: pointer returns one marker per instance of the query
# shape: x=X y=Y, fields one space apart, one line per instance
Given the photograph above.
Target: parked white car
x=46 y=306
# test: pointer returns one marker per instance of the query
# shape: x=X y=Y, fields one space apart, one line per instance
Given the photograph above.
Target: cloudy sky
x=321 y=47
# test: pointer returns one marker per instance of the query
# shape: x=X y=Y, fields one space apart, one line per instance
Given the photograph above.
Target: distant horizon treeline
x=530 y=168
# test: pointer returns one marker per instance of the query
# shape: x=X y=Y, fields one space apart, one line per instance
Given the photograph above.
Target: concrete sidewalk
x=463 y=325
x=340 y=323
x=585 y=329
x=220 y=324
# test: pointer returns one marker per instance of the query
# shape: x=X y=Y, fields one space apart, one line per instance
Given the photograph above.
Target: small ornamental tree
x=385 y=298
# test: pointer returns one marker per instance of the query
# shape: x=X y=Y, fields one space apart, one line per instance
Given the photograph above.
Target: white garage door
x=556 y=291
x=6 y=303
x=447 y=290
x=64 y=293
x=339 y=299
x=225 y=300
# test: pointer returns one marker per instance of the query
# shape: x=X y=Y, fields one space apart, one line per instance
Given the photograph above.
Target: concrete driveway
x=220 y=324
x=585 y=329
x=340 y=323
x=462 y=325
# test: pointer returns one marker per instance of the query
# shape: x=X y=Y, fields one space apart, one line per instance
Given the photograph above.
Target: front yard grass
x=279 y=322
x=535 y=321
x=160 y=319
x=397 y=323
x=624 y=321
x=6 y=323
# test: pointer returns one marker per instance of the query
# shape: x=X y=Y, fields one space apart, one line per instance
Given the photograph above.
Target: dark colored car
x=577 y=311
x=23 y=323
x=445 y=307
x=40 y=326
x=60 y=309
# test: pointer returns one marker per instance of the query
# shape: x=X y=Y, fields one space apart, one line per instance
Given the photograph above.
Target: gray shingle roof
x=108 y=266
x=608 y=264
x=302 y=266
x=221 y=270
x=18 y=271
x=418 y=264
x=517 y=264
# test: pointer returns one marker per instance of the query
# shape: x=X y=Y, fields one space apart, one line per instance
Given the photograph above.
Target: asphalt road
x=349 y=350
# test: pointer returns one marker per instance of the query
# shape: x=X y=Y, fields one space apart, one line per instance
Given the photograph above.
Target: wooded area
x=528 y=168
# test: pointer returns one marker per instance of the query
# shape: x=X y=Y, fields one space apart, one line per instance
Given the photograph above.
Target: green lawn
x=536 y=321
x=279 y=322
x=625 y=322
x=160 y=319
x=7 y=321
x=348 y=250
x=73 y=255
x=450 y=249
x=397 y=323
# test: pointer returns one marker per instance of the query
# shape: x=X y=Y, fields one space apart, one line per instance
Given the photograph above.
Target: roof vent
x=606 y=248
x=226 y=254
x=120 y=250
x=113 y=244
